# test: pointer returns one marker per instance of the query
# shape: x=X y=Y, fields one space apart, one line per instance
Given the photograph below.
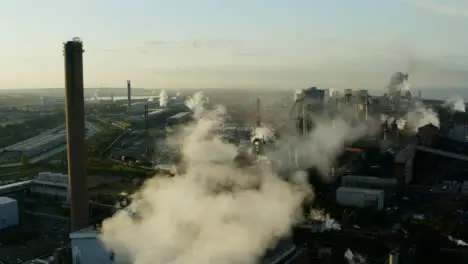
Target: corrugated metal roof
x=13 y=185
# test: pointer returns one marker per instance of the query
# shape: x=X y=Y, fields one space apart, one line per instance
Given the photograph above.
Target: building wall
x=60 y=192
x=90 y=250
x=360 y=197
x=8 y=212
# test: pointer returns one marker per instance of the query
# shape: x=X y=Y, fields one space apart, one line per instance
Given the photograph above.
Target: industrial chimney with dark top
x=75 y=121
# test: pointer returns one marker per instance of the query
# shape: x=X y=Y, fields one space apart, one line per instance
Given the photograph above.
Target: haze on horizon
x=236 y=43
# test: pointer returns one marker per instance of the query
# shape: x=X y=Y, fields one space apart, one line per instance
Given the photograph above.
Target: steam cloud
x=354 y=258
x=196 y=104
x=456 y=104
x=398 y=82
x=421 y=116
x=264 y=133
x=216 y=212
x=418 y=116
x=163 y=98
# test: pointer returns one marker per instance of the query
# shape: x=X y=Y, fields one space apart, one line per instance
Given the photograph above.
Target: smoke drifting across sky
x=216 y=212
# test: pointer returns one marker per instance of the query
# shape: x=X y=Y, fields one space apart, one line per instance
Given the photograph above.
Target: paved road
x=38 y=140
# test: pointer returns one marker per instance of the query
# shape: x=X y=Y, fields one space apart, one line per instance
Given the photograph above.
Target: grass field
x=11 y=122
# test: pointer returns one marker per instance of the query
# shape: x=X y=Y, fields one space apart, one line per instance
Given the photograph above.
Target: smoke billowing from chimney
x=196 y=103
x=420 y=116
x=217 y=212
x=398 y=82
x=163 y=98
x=264 y=133
x=214 y=213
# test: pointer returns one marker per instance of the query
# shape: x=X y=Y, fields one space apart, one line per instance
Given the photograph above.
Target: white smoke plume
x=354 y=258
x=401 y=123
x=214 y=213
x=398 y=82
x=421 y=116
x=455 y=103
x=263 y=132
x=330 y=223
x=322 y=145
x=196 y=104
x=163 y=98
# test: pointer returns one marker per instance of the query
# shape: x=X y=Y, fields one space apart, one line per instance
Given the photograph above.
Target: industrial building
x=179 y=118
x=51 y=184
x=360 y=197
x=54 y=185
x=45 y=101
x=386 y=184
x=9 y=215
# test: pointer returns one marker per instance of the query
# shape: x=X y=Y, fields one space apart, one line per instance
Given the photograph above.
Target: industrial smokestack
x=259 y=118
x=129 y=93
x=75 y=122
x=146 y=129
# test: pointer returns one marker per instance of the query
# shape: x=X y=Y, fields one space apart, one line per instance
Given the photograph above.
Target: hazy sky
x=235 y=43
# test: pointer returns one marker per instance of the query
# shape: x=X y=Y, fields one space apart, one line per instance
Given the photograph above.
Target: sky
x=176 y=44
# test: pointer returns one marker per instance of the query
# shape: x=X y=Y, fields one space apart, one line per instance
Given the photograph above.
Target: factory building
x=44 y=101
x=51 y=184
x=386 y=184
x=179 y=118
x=360 y=197
x=9 y=216
x=87 y=248
x=54 y=185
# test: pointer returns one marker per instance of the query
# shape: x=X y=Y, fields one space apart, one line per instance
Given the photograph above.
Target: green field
x=11 y=122
x=123 y=124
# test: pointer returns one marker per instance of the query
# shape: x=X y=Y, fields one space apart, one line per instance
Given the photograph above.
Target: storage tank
x=8 y=212
x=359 y=197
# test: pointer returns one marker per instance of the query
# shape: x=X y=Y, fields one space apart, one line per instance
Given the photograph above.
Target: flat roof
x=86 y=233
x=15 y=184
x=5 y=200
x=369 y=179
x=359 y=190
x=179 y=115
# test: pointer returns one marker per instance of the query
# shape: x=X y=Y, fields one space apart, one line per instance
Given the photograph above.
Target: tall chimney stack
x=129 y=93
x=75 y=123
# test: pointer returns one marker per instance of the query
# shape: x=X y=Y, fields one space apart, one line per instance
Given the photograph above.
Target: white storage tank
x=359 y=197
x=8 y=212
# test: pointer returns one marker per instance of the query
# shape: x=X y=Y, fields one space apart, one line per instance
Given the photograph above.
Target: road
x=39 y=140
x=92 y=130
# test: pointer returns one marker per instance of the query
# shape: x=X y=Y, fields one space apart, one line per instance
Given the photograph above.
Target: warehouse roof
x=359 y=190
x=6 y=200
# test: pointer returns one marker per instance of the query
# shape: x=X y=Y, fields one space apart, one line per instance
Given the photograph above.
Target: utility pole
x=147 y=129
